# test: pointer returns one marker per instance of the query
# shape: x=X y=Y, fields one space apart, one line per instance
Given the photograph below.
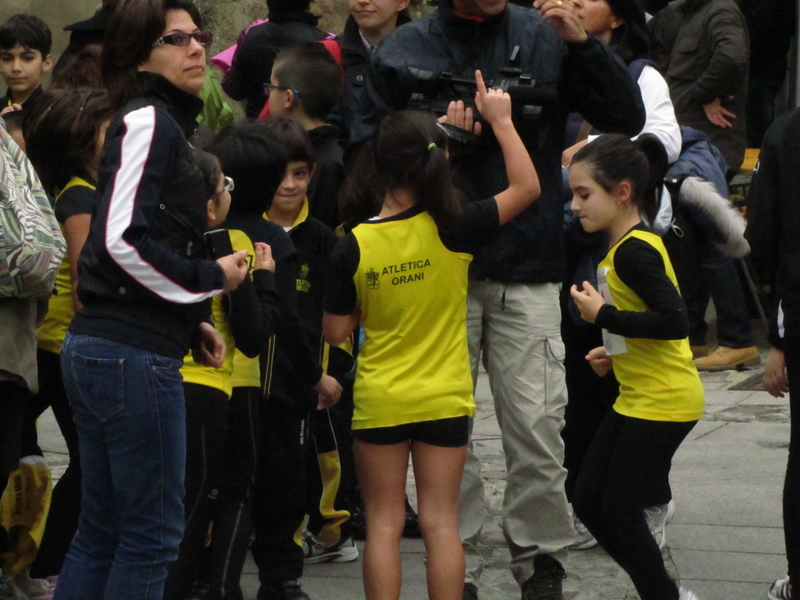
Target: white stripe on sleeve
x=140 y=128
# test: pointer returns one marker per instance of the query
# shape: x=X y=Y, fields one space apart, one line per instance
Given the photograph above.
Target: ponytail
x=613 y=158
x=409 y=151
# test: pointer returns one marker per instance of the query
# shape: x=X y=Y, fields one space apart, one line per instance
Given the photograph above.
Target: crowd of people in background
x=252 y=325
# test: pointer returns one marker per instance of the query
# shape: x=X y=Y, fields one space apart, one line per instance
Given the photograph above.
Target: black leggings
x=627 y=459
x=206 y=424
x=791 y=486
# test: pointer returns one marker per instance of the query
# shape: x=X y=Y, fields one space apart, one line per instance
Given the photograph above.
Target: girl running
x=615 y=183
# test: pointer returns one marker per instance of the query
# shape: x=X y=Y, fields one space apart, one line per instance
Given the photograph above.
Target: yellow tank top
x=60 y=310
x=237 y=370
x=657 y=378
x=412 y=291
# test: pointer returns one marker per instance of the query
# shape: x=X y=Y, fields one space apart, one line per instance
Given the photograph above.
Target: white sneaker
x=583 y=537
x=657 y=519
x=317 y=551
x=780 y=590
x=687 y=594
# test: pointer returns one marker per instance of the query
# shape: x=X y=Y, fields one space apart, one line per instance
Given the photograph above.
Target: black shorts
x=447 y=433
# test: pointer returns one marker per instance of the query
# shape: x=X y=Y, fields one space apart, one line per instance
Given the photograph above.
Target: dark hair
x=408 y=150
x=313 y=71
x=285 y=8
x=631 y=40
x=80 y=69
x=291 y=135
x=614 y=158
x=255 y=160
x=13 y=120
x=28 y=31
x=128 y=41
x=61 y=133
x=211 y=168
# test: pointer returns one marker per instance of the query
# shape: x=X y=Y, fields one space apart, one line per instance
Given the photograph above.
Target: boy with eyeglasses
x=306 y=84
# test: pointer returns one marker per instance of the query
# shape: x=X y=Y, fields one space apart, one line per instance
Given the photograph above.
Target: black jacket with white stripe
x=144 y=277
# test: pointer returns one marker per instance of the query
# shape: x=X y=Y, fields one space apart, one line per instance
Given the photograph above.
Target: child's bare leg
x=438 y=471
x=382 y=480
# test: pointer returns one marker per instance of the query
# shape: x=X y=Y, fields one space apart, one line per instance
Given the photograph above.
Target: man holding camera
x=514 y=315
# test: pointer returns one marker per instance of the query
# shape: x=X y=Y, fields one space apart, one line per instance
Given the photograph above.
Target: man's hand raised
x=564 y=19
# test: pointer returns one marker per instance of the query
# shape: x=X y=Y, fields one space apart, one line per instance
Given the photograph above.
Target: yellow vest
x=60 y=309
x=237 y=369
x=412 y=291
x=657 y=378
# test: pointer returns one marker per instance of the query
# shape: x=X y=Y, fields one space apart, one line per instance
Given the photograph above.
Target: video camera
x=435 y=91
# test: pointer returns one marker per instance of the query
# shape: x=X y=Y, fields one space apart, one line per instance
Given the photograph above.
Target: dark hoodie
x=257 y=48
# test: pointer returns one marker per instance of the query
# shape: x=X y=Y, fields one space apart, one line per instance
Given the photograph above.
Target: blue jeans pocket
x=100 y=383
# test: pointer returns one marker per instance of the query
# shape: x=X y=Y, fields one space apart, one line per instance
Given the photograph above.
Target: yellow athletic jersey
x=237 y=369
x=60 y=309
x=219 y=379
x=657 y=378
x=412 y=292
x=246 y=371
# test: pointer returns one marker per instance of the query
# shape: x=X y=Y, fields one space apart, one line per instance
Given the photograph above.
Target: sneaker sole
x=585 y=545
x=340 y=556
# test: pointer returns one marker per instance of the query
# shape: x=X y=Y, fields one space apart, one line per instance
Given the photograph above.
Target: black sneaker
x=284 y=590
x=470 y=592
x=545 y=583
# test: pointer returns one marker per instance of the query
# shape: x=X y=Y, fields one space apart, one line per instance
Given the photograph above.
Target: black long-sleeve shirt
x=641 y=268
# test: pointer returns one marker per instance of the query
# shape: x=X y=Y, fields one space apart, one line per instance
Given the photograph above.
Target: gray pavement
x=725 y=542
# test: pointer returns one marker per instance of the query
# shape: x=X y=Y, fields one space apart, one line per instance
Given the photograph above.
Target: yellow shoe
x=699 y=351
x=722 y=359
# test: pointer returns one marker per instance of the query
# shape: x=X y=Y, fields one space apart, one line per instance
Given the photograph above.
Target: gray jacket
x=18 y=342
x=706 y=57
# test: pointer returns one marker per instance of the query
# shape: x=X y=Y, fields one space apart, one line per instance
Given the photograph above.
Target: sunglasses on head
x=181 y=38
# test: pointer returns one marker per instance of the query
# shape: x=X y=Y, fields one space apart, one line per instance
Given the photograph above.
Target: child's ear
x=403 y=4
x=211 y=212
x=622 y=192
x=291 y=100
x=47 y=63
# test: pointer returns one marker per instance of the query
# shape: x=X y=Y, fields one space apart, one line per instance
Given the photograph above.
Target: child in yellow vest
x=615 y=182
x=245 y=318
x=65 y=131
x=402 y=272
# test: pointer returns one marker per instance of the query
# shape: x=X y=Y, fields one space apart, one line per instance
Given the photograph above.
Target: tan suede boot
x=722 y=359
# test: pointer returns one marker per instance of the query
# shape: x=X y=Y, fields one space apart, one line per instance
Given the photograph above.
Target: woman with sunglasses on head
x=146 y=285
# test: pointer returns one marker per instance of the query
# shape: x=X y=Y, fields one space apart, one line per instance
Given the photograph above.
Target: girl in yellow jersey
x=402 y=273
x=65 y=132
x=614 y=182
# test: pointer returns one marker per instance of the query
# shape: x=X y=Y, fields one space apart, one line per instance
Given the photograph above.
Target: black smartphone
x=219 y=243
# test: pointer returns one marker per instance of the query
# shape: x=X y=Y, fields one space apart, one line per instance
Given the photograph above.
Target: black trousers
x=12 y=413
x=331 y=471
x=206 y=425
x=791 y=486
x=233 y=512
x=62 y=521
x=280 y=493
x=627 y=459
x=590 y=397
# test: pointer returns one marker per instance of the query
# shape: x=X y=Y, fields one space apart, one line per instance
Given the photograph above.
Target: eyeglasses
x=228 y=187
x=268 y=87
x=181 y=38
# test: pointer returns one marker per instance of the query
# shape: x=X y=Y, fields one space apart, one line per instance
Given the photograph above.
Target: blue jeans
x=715 y=275
x=130 y=415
